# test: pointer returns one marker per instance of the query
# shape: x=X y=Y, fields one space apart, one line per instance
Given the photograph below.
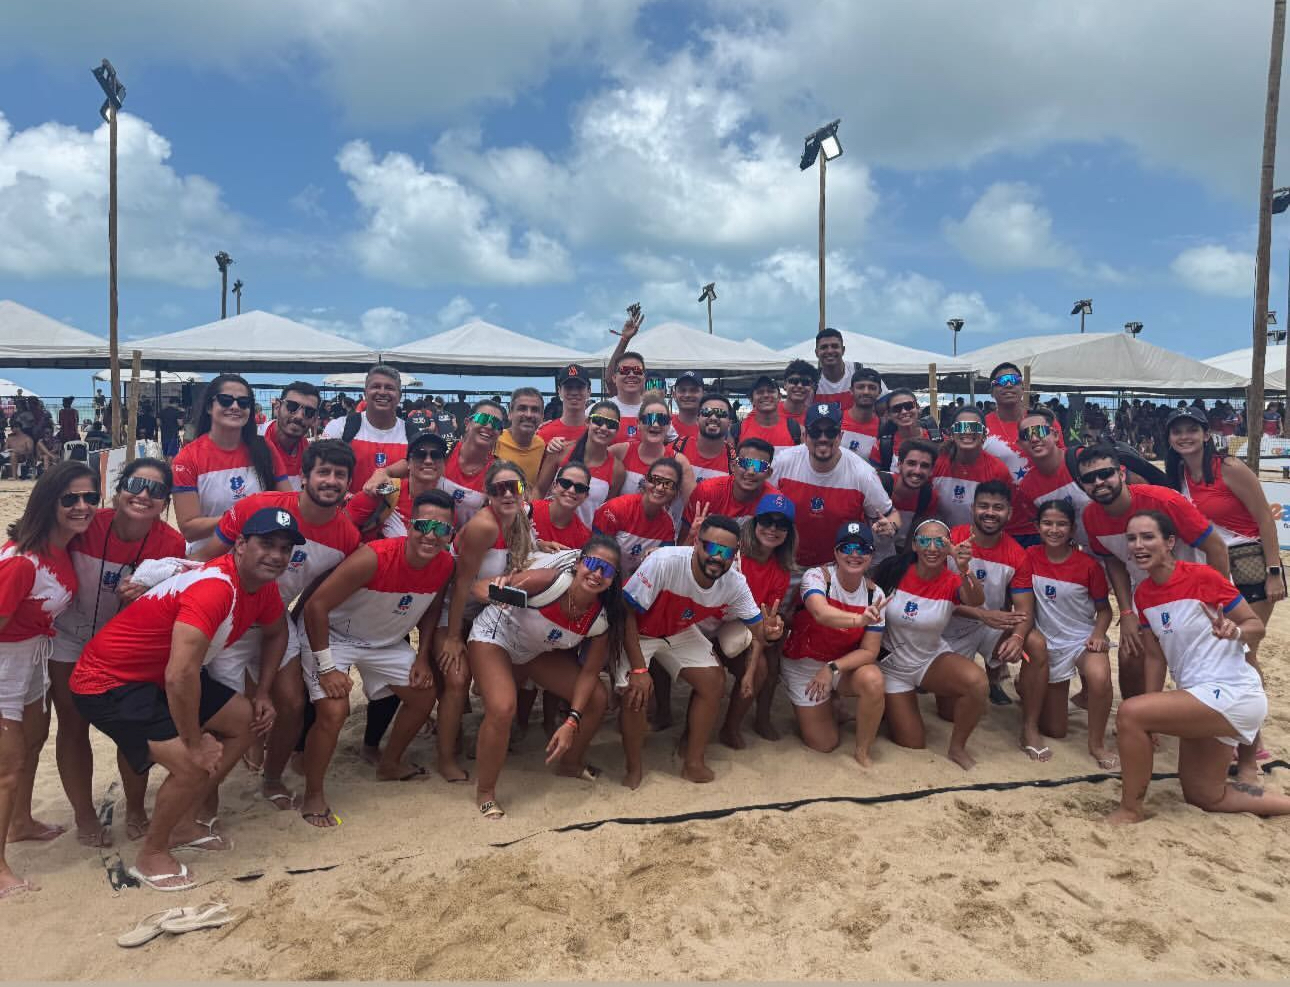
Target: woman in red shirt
x=37 y=583
x=555 y=519
x=595 y=451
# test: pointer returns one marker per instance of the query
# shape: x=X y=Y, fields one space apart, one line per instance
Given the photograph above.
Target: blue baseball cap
x=854 y=531
x=823 y=411
x=271 y=520
x=776 y=504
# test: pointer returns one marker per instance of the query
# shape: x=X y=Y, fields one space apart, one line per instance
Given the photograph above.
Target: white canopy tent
x=481 y=348
x=30 y=339
x=1241 y=363
x=167 y=377
x=1108 y=361
x=883 y=355
x=252 y=342
x=673 y=346
x=359 y=380
x=8 y=389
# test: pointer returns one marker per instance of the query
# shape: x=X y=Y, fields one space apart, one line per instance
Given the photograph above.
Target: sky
x=387 y=170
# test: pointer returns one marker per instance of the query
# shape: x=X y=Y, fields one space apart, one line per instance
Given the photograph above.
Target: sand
x=1018 y=884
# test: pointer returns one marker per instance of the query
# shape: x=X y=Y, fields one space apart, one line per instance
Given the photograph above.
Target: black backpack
x=1133 y=461
x=888 y=482
x=794 y=432
x=679 y=447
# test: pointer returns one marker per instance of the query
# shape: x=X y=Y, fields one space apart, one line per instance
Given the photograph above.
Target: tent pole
x=931 y=392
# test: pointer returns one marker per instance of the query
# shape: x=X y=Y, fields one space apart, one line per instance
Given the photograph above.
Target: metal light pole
x=1133 y=328
x=1082 y=308
x=956 y=327
x=114 y=90
x=709 y=295
x=237 y=293
x=223 y=260
x=823 y=144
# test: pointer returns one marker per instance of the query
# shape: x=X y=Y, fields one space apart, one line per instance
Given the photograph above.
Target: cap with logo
x=765 y=380
x=688 y=377
x=270 y=521
x=574 y=371
x=854 y=532
x=823 y=411
x=1190 y=413
x=429 y=439
x=773 y=503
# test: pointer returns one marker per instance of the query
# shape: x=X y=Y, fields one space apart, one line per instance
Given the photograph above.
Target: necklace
x=120 y=573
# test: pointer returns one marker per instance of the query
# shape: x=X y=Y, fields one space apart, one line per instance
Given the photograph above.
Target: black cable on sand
x=723 y=813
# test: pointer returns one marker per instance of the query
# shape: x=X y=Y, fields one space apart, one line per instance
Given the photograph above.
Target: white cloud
x=422 y=228
x=1213 y=269
x=53 y=206
x=1008 y=228
x=308 y=202
x=457 y=311
x=384 y=326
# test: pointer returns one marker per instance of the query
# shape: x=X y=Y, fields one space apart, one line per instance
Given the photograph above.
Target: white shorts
x=687 y=649
x=901 y=673
x=380 y=668
x=231 y=666
x=472 y=610
x=24 y=677
x=734 y=638
x=67 y=649
x=981 y=640
x=796 y=674
x=1243 y=706
x=497 y=626
x=1062 y=659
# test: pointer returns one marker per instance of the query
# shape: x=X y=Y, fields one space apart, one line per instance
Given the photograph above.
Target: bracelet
x=324 y=661
x=639 y=671
x=571 y=722
x=575 y=716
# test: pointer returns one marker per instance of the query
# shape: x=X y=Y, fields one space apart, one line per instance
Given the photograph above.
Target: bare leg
x=413 y=710
x=452 y=690
x=737 y=709
x=1202 y=771
x=818 y=726
x=662 y=719
x=1095 y=670
x=633 y=725
x=866 y=682
x=320 y=745
x=905 y=720
x=557 y=673
x=13 y=750
x=491 y=668
x=1032 y=686
x=951 y=674
x=75 y=758
x=705 y=703
x=289 y=700
x=762 y=725
x=136 y=790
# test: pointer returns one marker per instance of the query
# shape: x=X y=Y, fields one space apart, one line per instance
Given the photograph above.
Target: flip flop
x=148 y=928
x=325 y=814
x=492 y=811
x=1037 y=753
x=417 y=772
x=152 y=880
x=589 y=772
x=136 y=830
x=50 y=832
x=251 y=766
x=18 y=889
x=1111 y=763
x=275 y=799
x=208 y=916
x=202 y=842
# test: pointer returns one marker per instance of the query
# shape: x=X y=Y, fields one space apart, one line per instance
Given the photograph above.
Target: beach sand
x=1028 y=883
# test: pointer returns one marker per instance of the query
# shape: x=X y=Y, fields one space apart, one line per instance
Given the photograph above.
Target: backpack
x=794 y=432
x=679 y=447
x=1132 y=460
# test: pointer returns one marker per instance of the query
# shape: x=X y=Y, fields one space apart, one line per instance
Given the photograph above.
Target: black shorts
x=136 y=713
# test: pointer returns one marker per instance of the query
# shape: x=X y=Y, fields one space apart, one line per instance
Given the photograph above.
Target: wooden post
x=931 y=392
x=1263 y=258
x=821 y=329
x=114 y=356
x=132 y=414
x=1025 y=388
x=709 y=316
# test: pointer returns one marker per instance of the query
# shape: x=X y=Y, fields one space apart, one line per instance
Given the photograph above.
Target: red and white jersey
x=916 y=618
x=850 y=491
x=1003 y=442
x=1065 y=596
x=602 y=477
x=493 y=562
x=624 y=520
x=704 y=467
x=836 y=392
x=635 y=469
x=393 y=601
x=906 y=502
x=628 y=415
x=1001 y=569
x=955 y=484
x=860 y=437
x=557 y=429
x=767 y=581
x=292 y=462
x=1108 y=534
x=778 y=435
x=667 y=599
x=102 y=561
x=1230 y=517
x=219 y=477
x=797 y=416
x=134 y=646
x=1036 y=488
x=808 y=638
x=549 y=628
x=467 y=492
x=326 y=545
x=374 y=448
x=572 y=535
x=718 y=493
x=34 y=590
x=1173 y=613
x=685 y=430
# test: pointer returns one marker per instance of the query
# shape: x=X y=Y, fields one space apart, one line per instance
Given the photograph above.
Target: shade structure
x=30 y=339
x=149 y=376
x=673 y=346
x=360 y=380
x=883 y=355
x=1106 y=361
x=249 y=343
x=1241 y=363
x=481 y=348
x=8 y=389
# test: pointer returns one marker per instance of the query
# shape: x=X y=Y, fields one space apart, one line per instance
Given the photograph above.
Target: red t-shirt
x=799 y=417
x=719 y=494
x=704 y=467
x=220 y=477
x=685 y=431
x=955 y=483
x=34 y=589
x=1108 y=534
x=292 y=462
x=777 y=435
x=557 y=429
x=768 y=581
x=135 y=644
x=573 y=535
x=624 y=520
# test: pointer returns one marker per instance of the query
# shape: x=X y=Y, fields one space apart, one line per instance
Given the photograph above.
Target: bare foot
x=315 y=811
x=403 y=771
x=452 y=771
x=863 y=759
x=700 y=774
x=34 y=829
x=1080 y=699
x=11 y=884
x=764 y=730
x=733 y=738
x=278 y=794
x=961 y=757
x=136 y=826
x=632 y=779
x=372 y=755
x=1123 y=817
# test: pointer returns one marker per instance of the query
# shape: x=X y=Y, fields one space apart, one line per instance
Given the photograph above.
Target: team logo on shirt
x=554 y=635
x=1050 y=591
x=380 y=459
x=817 y=505
x=960 y=491
x=1164 y=621
x=297 y=558
x=459 y=494
x=688 y=613
x=636 y=550
x=853 y=445
x=110 y=579
x=236 y=483
x=631 y=431
x=911 y=609
x=404 y=603
x=980 y=574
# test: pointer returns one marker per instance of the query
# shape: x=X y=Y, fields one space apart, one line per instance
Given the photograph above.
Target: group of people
x=824 y=545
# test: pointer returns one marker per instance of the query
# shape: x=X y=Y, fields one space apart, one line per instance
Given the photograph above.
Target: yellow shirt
x=529 y=460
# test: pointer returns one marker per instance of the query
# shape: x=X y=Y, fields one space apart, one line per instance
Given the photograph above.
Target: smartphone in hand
x=508 y=594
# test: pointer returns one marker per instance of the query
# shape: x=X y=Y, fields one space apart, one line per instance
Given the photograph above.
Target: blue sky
x=390 y=170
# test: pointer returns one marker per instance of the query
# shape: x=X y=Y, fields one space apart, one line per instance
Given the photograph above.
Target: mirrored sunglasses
x=501 y=488
x=135 y=485
x=656 y=418
x=228 y=400
x=581 y=489
x=931 y=541
x=307 y=410
x=968 y=428
x=91 y=499
x=853 y=548
x=714 y=413
x=723 y=552
x=1032 y=432
x=631 y=371
x=592 y=564
x=1006 y=380
x=432 y=526
x=754 y=465
x=485 y=420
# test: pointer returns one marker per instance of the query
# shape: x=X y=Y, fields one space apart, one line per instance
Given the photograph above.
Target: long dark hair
x=611 y=597
x=579 y=452
x=134 y=465
x=1176 y=467
x=32 y=531
x=256 y=448
x=892 y=570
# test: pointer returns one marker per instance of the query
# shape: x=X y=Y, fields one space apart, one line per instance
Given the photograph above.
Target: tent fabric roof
x=1241 y=363
x=149 y=376
x=480 y=347
x=31 y=339
x=8 y=389
x=883 y=355
x=1106 y=361
x=674 y=346
x=359 y=380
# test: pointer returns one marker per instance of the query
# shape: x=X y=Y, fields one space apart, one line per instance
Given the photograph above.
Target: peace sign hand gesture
x=772 y=622
x=1223 y=628
x=963 y=554
x=701 y=512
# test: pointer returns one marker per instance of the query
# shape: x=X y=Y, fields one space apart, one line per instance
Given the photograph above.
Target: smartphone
x=387 y=488
x=508 y=594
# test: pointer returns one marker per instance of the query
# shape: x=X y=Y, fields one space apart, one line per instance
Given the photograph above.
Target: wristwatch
x=1274 y=570
x=833 y=667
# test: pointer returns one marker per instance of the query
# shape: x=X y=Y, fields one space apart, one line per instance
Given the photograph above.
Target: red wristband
x=639 y=671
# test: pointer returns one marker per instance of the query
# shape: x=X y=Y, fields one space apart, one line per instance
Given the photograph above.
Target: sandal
x=491 y=810
x=211 y=915
x=148 y=928
x=325 y=814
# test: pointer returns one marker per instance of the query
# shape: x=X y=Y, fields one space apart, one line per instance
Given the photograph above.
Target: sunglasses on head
x=431 y=526
x=156 y=489
x=581 y=489
x=799 y=381
x=897 y=409
x=777 y=521
x=656 y=418
x=1006 y=380
x=1096 y=476
x=753 y=465
x=425 y=452
x=603 y=421
x=631 y=371
x=1032 y=432
x=715 y=551
x=931 y=541
x=228 y=400
x=485 y=420
x=500 y=488
x=853 y=548
x=293 y=406
x=91 y=499
x=968 y=428
x=824 y=431
x=594 y=565
x=662 y=482
x=714 y=413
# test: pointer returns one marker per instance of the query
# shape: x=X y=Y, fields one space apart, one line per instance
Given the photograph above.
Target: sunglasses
x=425 y=453
x=824 y=431
x=1096 y=476
x=900 y=409
x=799 y=381
x=931 y=541
x=603 y=421
x=655 y=384
x=307 y=410
x=656 y=418
x=662 y=482
x=1032 y=432
x=485 y=420
x=714 y=551
x=429 y=526
x=968 y=428
x=581 y=489
x=777 y=521
x=714 y=413
x=631 y=371
x=156 y=489
x=754 y=465
x=91 y=499
x=599 y=566
x=501 y=488
x=228 y=400
x=853 y=548
x=1006 y=380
